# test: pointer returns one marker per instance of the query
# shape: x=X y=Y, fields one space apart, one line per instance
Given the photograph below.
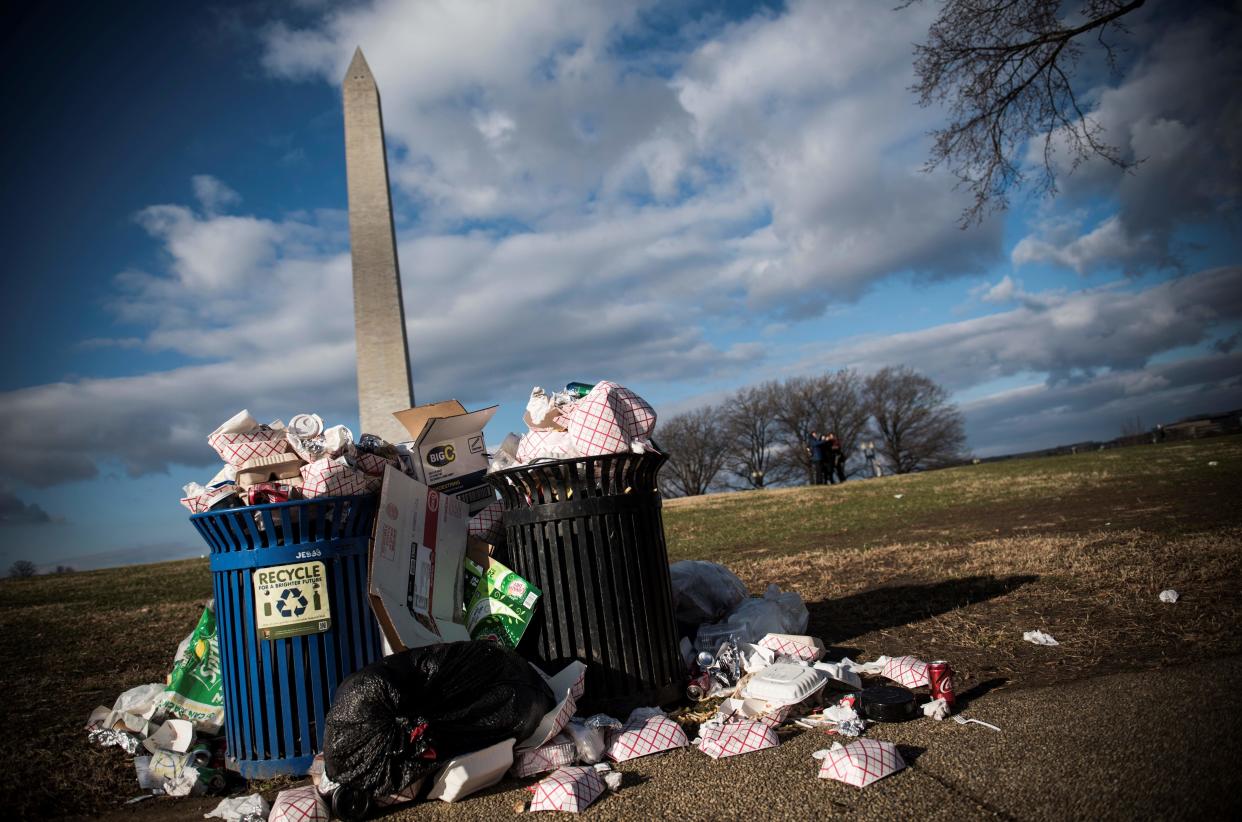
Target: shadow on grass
x=891 y=606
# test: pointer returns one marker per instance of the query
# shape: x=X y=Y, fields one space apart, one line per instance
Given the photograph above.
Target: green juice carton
x=500 y=604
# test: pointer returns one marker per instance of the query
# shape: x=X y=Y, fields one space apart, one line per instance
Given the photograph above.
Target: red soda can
x=940 y=679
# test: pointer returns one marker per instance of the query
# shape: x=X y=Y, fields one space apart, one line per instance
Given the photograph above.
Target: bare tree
x=64 y=569
x=916 y=424
x=800 y=411
x=1005 y=69
x=696 y=448
x=748 y=420
x=22 y=568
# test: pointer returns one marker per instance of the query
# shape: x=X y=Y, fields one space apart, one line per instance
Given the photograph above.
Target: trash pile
x=174 y=729
x=278 y=463
x=456 y=708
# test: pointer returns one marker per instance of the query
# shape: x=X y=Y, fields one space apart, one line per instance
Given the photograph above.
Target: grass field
x=954 y=564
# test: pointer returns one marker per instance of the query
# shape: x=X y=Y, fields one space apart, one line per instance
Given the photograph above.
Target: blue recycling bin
x=293 y=620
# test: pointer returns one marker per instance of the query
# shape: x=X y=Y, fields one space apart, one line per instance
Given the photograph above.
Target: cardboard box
x=447 y=450
x=416 y=582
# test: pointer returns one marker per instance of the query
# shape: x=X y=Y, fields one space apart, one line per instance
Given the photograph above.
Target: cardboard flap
x=415 y=419
x=442 y=429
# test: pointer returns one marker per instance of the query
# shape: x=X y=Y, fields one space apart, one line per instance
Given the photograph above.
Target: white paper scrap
x=1169 y=595
x=1039 y=638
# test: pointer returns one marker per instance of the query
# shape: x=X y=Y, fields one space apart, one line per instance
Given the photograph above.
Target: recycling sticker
x=291 y=600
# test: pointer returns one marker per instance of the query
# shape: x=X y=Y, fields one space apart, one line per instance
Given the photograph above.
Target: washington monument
x=379 y=317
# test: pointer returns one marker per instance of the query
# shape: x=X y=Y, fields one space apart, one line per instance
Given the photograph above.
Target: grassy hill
x=953 y=564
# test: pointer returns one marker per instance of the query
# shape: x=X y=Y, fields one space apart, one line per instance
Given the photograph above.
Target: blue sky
x=683 y=197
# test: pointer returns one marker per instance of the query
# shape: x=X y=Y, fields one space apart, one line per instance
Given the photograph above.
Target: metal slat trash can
x=293 y=620
x=589 y=533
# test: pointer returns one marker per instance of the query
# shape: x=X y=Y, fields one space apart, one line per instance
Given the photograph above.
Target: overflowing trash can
x=589 y=533
x=293 y=620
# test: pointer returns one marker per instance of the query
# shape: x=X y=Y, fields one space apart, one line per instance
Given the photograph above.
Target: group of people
x=828 y=459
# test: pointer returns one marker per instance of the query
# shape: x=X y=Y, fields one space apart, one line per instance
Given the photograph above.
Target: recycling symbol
x=291 y=603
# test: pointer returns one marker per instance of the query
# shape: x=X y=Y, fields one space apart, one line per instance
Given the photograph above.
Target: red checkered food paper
x=737 y=738
x=643 y=737
x=552 y=445
x=568 y=789
x=557 y=753
x=196 y=504
x=487 y=525
x=906 y=670
x=609 y=420
x=372 y=464
x=302 y=804
x=862 y=762
x=568 y=684
x=235 y=449
x=332 y=477
x=792 y=647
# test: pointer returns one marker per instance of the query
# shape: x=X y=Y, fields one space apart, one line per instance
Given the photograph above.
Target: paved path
x=1156 y=744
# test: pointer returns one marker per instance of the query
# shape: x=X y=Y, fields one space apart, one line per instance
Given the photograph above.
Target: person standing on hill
x=869 y=455
x=820 y=467
x=836 y=459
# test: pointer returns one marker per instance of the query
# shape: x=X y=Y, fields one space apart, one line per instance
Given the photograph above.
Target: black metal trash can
x=589 y=533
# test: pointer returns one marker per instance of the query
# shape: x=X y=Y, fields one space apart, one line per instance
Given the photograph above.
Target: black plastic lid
x=888 y=703
x=350 y=805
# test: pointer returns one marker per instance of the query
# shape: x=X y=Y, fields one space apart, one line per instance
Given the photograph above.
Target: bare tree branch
x=1004 y=69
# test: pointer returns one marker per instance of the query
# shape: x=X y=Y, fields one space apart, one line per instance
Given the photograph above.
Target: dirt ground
x=948 y=565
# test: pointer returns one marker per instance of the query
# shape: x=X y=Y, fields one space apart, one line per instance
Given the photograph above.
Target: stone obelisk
x=379 y=317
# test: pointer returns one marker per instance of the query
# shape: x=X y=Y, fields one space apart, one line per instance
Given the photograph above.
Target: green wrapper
x=501 y=605
x=194 y=689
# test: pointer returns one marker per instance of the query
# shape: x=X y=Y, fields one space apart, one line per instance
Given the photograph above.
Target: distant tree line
x=758 y=436
x=25 y=568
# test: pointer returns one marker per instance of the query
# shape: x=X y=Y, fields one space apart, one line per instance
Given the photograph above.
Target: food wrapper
x=302 y=804
x=588 y=736
x=567 y=685
x=753 y=710
x=541 y=412
x=557 y=753
x=570 y=789
x=610 y=420
x=194 y=689
x=207 y=498
x=806 y=648
x=266 y=493
x=735 y=738
x=862 y=762
x=370 y=463
x=241 y=438
x=643 y=735
x=332 y=477
x=487 y=524
x=333 y=442
x=550 y=445
x=240 y=809
x=906 y=670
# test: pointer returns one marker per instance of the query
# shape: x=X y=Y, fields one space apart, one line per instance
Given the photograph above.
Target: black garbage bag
x=400 y=718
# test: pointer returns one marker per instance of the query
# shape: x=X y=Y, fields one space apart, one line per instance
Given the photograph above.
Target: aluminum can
x=699 y=688
x=940 y=679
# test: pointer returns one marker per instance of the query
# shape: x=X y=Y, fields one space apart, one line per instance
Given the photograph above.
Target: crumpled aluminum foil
x=121 y=739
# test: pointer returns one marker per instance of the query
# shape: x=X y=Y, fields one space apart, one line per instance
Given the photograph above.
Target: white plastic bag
x=704 y=591
x=776 y=612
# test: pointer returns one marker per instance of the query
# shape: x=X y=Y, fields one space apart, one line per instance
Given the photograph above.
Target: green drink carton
x=501 y=603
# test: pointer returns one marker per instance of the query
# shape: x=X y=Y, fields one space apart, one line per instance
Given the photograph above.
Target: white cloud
x=1065 y=335
x=1173 y=114
x=212 y=194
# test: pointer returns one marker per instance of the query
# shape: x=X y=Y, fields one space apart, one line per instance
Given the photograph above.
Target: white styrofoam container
x=784 y=683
